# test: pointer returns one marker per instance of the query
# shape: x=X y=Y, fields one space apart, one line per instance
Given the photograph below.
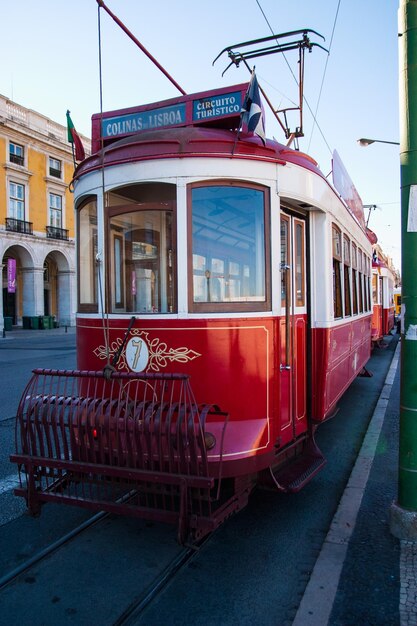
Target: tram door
x=293 y=328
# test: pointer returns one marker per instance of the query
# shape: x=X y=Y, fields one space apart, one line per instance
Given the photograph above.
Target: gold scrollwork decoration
x=160 y=355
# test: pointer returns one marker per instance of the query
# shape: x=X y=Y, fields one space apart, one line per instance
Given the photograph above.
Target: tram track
x=14 y=574
x=58 y=543
x=140 y=604
x=26 y=577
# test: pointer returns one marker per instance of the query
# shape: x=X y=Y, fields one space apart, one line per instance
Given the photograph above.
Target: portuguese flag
x=74 y=138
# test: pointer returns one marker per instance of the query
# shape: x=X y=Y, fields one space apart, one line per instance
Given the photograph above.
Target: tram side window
x=299 y=263
x=354 y=279
x=360 y=280
x=229 y=264
x=337 y=280
x=346 y=275
x=285 y=258
x=86 y=257
x=369 y=285
x=141 y=258
x=375 y=288
x=365 y=283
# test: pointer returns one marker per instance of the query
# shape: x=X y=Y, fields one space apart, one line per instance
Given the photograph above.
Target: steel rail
x=12 y=575
x=136 y=608
x=8 y=578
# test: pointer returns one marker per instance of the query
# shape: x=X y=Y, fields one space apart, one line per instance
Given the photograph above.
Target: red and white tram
x=383 y=314
x=224 y=266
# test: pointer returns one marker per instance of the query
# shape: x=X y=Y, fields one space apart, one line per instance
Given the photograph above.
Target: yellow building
x=37 y=249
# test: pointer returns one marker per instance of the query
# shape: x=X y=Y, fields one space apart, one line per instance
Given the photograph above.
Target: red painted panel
x=233 y=363
x=285 y=378
x=230 y=362
x=293 y=381
x=340 y=342
x=300 y=372
x=387 y=320
x=338 y=355
x=377 y=331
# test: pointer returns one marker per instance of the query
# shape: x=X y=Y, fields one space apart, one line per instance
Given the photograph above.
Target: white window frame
x=11 y=212
x=54 y=210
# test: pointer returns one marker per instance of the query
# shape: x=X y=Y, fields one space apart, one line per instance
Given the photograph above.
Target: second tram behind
x=224 y=306
x=383 y=313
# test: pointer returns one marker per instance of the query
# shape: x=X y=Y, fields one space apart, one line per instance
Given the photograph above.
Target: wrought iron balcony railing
x=53 y=232
x=16 y=158
x=55 y=172
x=19 y=226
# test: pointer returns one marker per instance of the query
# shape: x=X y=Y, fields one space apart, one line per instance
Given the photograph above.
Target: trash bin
x=8 y=323
x=26 y=322
x=34 y=323
x=43 y=322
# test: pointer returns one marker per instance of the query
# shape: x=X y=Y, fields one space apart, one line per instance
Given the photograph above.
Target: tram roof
x=193 y=141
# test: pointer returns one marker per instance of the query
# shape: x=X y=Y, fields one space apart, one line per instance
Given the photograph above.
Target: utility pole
x=403 y=513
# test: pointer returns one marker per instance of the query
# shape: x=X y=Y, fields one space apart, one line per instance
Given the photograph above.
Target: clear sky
x=49 y=51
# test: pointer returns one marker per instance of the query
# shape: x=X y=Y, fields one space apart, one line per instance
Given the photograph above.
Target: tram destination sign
x=221 y=107
x=130 y=123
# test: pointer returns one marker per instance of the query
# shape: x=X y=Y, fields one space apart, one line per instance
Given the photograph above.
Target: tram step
x=293 y=476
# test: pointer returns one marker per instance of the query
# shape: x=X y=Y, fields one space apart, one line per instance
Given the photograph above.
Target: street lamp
x=364 y=142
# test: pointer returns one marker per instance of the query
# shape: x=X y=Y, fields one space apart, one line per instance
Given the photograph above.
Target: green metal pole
x=407 y=478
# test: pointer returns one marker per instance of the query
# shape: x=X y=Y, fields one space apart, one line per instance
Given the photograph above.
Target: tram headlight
x=210 y=440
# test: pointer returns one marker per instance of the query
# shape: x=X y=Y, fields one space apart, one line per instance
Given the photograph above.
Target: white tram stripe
x=8 y=483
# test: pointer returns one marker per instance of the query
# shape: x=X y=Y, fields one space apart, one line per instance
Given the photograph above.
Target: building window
x=17 y=201
x=55 y=210
x=16 y=154
x=55 y=167
x=337 y=281
x=229 y=264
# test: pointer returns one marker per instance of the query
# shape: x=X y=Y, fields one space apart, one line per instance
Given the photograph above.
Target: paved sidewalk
x=19 y=333
x=364 y=576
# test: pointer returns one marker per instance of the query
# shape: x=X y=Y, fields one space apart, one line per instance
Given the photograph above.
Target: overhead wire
x=271 y=29
x=324 y=75
x=294 y=76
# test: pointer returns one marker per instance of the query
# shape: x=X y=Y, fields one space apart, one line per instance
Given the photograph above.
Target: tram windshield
x=228 y=248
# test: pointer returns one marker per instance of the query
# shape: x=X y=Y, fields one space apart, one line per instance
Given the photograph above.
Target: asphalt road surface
x=254 y=569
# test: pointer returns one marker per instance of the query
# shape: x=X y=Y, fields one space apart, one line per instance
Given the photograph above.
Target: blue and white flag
x=253 y=113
